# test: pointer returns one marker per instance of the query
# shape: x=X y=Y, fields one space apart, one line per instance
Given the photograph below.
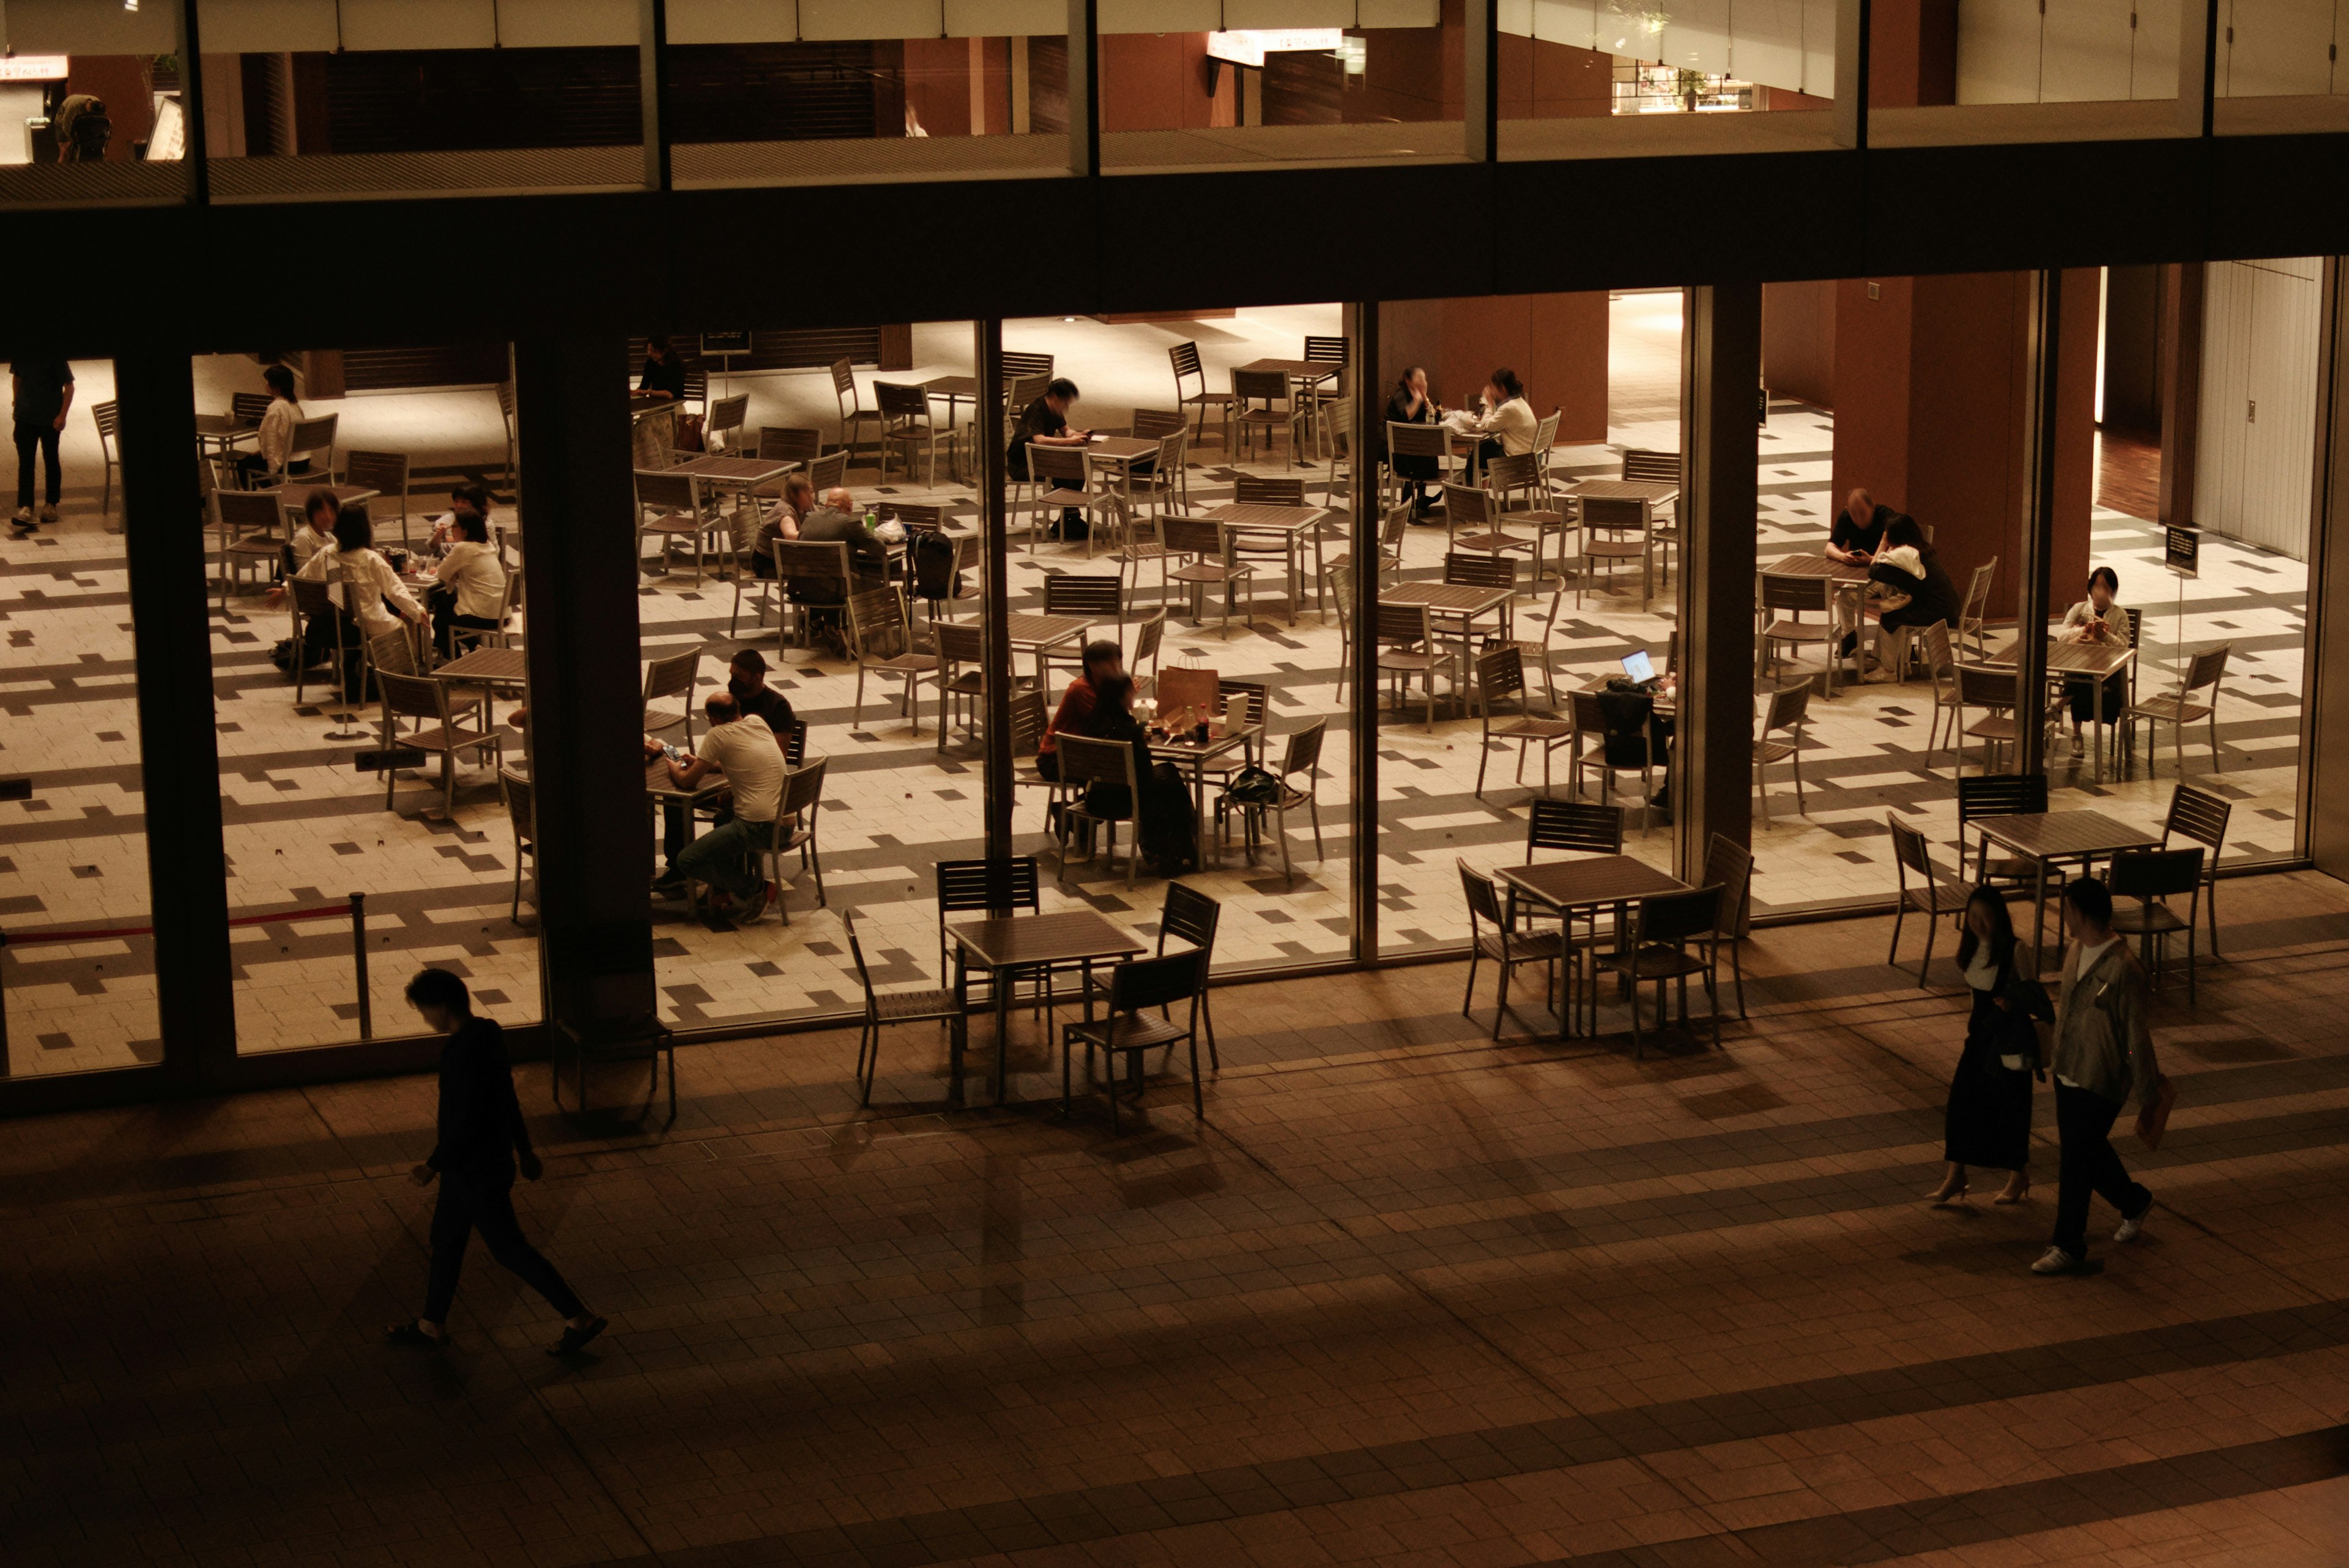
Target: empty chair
x=2002 y=795
x=1993 y=691
x=674 y=676
x=2179 y=709
x=1971 y=637
x=994 y=887
x=516 y=788
x=936 y=1004
x=251 y=525
x=1257 y=490
x=671 y=506
x=1930 y=893
x=1786 y=603
x=853 y=414
x=108 y=417
x=722 y=431
x=1136 y=987
x=1664 y=926
x=1574 y=825
x=1096 y=599
x=881 y=640
x=2153 y=877
x=1407 y=647
x=1657 y=468
x=425 y=700
x=962 y=674
x=1522 y=495
x=1260 y=400
x=1190 y=392
x=1065 y=479
x=828 y=472
x=1501 y=675
x=1731 y=870
x=313 y=439
x=906 y=423
x=1204 y=546
x=1786 y=711
x=385 y=472
x=1504 y=945
x=1472 y=521
x=1941 y=666
x=2200 y=817
x=1299 y=758
x=790 y=443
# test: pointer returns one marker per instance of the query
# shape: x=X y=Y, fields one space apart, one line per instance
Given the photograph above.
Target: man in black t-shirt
x=42 y=390
x=1859 y=531
x=746 y=678
x=1045 y=422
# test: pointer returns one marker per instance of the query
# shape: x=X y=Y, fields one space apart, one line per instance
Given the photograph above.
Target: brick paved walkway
x=1406 y=1297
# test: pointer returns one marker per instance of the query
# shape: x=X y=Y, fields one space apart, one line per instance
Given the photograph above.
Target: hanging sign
x=2181 y=549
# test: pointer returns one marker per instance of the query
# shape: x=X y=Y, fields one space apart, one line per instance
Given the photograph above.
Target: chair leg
x=1501 y=995
x=1932 y=926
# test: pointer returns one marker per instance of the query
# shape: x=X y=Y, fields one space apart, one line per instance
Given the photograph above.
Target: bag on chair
x=1253 y=785
x=935 y=576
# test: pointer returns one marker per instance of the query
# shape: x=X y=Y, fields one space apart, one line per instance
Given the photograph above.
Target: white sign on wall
x=1249 y=48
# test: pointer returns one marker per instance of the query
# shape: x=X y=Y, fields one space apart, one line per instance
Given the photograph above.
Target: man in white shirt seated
x=741 y=749
x=470 y=585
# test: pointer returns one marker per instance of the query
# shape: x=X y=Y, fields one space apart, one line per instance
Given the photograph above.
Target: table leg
x=2039 y=916
x=1294 y=559
x=959 y=1032
x=1003 y=978
x=1199 y=810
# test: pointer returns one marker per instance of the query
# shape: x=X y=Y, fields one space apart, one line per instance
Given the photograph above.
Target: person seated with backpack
x=1101 y=661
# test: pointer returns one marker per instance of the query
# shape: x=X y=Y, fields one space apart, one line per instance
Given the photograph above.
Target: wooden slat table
x=1191 y=758
x=2043 y=838
x=2090 y=662
x=1038 y=634
x=1653 y=493
x=500 y=667
x=1292 y=526
x=220 y=434
x=1583 y=887
x=1008 y=945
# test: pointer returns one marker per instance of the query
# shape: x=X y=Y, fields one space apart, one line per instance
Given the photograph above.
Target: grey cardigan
x=2102 y=1043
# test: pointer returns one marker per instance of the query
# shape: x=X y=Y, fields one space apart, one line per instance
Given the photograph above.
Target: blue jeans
x=727 y=856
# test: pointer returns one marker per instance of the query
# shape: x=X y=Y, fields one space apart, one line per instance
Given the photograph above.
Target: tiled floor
x=1404 y=1297
x=303 y=829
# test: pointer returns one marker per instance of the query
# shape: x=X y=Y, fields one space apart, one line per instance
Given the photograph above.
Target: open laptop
x=1640 y=669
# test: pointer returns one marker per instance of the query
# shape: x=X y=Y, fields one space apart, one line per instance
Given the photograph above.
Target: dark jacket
x=480 y=1122
x=867 y=555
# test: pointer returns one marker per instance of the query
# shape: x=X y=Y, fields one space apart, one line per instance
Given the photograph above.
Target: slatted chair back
x=696 y=379
x=1404 y=626
x=1652 y=467
x=517 y=790
x=1094 y=596
x=1577 y=826
x=864 y=975
x=795 y=743
x=2199 y=815
x=1980 y=687
x=1259 y=386
x=1545 y=436
x=900 y=404
x=2156 y=873
x=876 y=624
x=2206 y=669
x=1169 y=461
x=413 y=696
x=1085 y=760
x=843 y=378
x=1302 y=752
x=1156 y=424
x=790 y=443
x=1028 y=720
x=1910 y=852
x=1417 y=440
x=1019 y=391
x=1939 y=659
x=392 y=654
x=1253 y=490
x=1147 y=637
x=991 y=886
x=2001 y=794
x=802 y=561
x=1480 y=571
x=1500 y=672
x=1016 y=363
x=1139 y=983
x=1184 y=357
x=2136 y=618
x=1467 y=506
x=383 y=472
x=1393 y=528
x=1516 y=476
x=1615 y=515
x=248 y=409
x=1675 y=918
x=1730 y=868
x=918 y=517
x=257 y=510
x=728 y=414
x=1189 y=915
x=1788 y=707
x=1201 y=537
x=310 y=598
x=1325 y=350
x=804 y=789
x=667 y=491
x=313 y=436
x=1484 y=899
x=673 y=676
x=1062 y=467
x=1800 y=595
x=1976 y=603
x=960 y=642
x=1257 y=692
x=828 y=472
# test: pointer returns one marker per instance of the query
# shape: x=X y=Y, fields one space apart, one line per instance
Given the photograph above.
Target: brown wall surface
x=1798 y=341
x=1158 y=81
x=1913 y=54
x=1557 y=343
x=1411 y=73
x=1541 y=80
x=937 y=86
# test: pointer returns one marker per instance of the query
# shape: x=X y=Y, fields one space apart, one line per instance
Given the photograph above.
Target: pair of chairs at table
x=1140 y=992
x=1672 y=936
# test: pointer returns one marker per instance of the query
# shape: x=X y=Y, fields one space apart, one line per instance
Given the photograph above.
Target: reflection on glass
x=91 y=127
x=77 y=976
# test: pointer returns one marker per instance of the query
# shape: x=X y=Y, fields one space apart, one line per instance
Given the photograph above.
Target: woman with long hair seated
x=1169 y=828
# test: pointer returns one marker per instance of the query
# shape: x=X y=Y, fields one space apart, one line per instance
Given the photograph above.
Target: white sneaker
x=48 y=513
x=1882 y=675
x=2055 y=1261
x=2128 y=1230
x=24 y=517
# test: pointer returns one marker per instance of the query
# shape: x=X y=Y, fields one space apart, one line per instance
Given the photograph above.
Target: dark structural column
x=2325 y=707
x=652 y=88
x=171 y=640
x=1084 y=92
x=995 y=582
x=1481 y=80
x=1721 y=381
x=1370 y=412
x=586 y=696
x=2181 y=387
x=2033 y=589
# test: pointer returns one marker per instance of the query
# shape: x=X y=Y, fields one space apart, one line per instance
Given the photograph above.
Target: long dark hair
x=2002 y=930
x=1114 y=700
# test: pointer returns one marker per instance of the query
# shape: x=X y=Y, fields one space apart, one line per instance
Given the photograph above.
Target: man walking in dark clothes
x=483 y=1138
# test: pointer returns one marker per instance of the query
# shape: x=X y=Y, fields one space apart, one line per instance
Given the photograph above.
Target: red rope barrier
x=103 y=933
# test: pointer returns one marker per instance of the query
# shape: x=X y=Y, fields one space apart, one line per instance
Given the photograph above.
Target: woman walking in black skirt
x=1989 y=1118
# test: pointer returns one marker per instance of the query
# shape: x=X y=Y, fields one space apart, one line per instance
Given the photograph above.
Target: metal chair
x=1084 y=762
x=674 y=676
x=1407 y=647
x=1135 y=987
x=1971 y=637
x=1433 y=443
x=853 y=415
x=516 y=786
x=2154 y=876
x=993 y=887
x=790 y=443
x=385 y=472
x=1942 y=668
x=1301 y=756
x=1994 y=691
x=1065 y=479
x=1522 y=497
x=251 y=525
x=506 y=406
x=2179 y=709
x=934 y=1004
x=423 y=699
x=906 y=421
x=1731 y=870
x=311 y=601
x=311 y=437
x=1580 y=829
x=881 y=640
x=672 y=506
x=1261 y=400
x=828 y=472
x=1784 y=602
x=1604 y=518
x=1663 y=927
x=108 y=417
x=2002 y=795
x=721 y=431
x=1934 y=895
x=1658 y=468
x=1393 y=526
x=961 y=651
x=1505 y=947
x=2200 y=817
x=1204 y=545
x=1478 y=510
x=796 y=823
x=1501 y=673
x=1621 y=748
x=1100 y=600
x=1187 y=369
x=1789 y=708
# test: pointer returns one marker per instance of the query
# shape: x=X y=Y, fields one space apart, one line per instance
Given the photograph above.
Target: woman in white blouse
x=1508 y=422
x=471 y=585
x=354 y=565
x=276 y=428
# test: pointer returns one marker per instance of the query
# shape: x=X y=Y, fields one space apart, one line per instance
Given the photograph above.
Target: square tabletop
x=1815 y=566
x=224 y=426
x=737 y=470
x=951 y=386
x=2058 y=834
x=1257 y=516
x=659 y=784
x=1018 y=941
x=489 y=666
x=1590 y=881
x=1122 y=449
x=1186 y=753
x=1448 y=599
x=2065 y=657
x=1309 y=370
x=1654 y=491
x=1043 y=630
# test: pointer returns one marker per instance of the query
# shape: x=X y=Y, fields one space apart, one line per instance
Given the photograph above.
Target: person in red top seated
x=1102 y=660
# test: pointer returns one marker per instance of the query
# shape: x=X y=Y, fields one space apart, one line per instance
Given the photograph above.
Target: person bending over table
x=1045 y=422
x=1169 y=828
x=836 y=522
x=1859 y=530
x=469 y=585
x=1101 y=660
x=2098 y=619
x=1923 y=594
x=798 y=502
x=1411 y=405
x=740 y=748
x=1506 y=422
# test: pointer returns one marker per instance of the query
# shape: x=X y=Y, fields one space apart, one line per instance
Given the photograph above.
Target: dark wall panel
x=438 y=100
x=466 y=365
x=780 y=92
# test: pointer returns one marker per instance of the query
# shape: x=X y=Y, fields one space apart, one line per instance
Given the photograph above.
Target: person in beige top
x=2104 y=1055
x=1508 y=422
x=2098 y=619
x=353 y=570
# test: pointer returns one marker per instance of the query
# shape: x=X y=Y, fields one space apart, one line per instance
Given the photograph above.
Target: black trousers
x=2089 y=1166
x=2084 y=698
x=42 y=437
x=483 y=1201
x=446 y=623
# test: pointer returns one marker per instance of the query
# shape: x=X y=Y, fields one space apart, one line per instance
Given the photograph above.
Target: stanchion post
x=358 y=961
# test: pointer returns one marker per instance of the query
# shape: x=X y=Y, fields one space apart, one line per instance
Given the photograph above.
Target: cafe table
x=957 y=390
x=1651 y=492
x=217 y=435
x=1039 y=634
x=737 y=472
x=1008 y=947
x=1191 y=758
x=2044 y=837
x=1454 y=607
x=2067 y=660
x=1292 y=526
x=503 y=668
x=1580 y=887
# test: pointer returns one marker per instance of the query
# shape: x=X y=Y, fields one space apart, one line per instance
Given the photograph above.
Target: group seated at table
x=836 y=522
x=1919 y=589
x=1099 y=705
x=383 y=600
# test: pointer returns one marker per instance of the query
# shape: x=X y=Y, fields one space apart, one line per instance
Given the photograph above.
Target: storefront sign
x=33 y=68
x=1249 y=48
x=725 y=343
